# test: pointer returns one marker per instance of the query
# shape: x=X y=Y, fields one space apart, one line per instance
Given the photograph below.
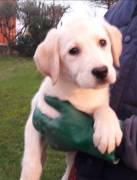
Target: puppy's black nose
x=100 y=72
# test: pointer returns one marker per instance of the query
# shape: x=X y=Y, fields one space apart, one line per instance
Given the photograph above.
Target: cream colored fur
x=70 y=78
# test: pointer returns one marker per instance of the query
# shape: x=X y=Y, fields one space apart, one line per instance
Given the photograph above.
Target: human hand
x=71 y=131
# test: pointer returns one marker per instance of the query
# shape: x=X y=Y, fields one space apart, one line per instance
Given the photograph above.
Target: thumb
x=38 y=118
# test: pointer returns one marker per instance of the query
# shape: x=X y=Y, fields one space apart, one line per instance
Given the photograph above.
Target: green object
x=71 y=131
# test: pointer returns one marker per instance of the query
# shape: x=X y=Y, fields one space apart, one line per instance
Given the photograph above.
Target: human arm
x=79 y=133
x=128 y=148
x=116 y=16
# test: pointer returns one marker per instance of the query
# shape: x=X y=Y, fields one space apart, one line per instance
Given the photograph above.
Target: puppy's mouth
x=100 y=86
x=102 y=83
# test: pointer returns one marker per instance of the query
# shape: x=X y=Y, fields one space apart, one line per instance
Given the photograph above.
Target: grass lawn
x=19 y=80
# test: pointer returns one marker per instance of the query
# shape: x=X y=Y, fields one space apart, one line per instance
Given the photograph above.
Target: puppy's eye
x=74 y=51
x=102 y=42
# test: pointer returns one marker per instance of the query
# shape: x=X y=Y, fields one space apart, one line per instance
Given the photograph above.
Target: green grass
x=19 y=80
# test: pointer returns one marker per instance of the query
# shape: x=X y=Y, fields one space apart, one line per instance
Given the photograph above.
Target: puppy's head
x=82 y=51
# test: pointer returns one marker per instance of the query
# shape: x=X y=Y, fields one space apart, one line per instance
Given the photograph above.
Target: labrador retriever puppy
x=78 y=61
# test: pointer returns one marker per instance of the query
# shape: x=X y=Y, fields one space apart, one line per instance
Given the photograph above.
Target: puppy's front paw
x=107 y=134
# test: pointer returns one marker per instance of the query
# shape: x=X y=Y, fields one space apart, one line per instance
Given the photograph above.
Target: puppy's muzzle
x=100 y=72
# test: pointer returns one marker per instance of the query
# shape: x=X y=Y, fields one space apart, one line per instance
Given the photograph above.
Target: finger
x=40 y=121
x=38 y=115
x=61 y=106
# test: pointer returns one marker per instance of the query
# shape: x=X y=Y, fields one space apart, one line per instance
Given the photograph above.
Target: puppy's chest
x=85 y=100
x=88 y=101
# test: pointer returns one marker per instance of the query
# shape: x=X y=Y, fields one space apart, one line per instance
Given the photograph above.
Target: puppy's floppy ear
x=115 y=37
x=47 y=56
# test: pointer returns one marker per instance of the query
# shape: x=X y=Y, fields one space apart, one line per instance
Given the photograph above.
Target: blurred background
x=23 y=25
